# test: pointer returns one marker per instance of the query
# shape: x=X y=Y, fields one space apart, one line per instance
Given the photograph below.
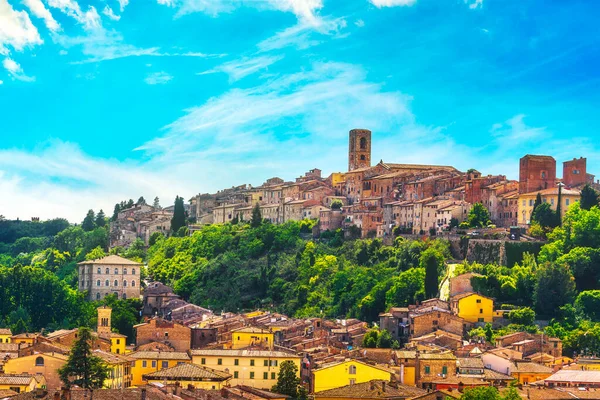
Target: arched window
x=124 y=283
x=106 y=283
x=99 y=271
x=124 y=271
x=107 y=271
x=98 y=282
x=362 y=157
x=124 y=298
x=132 y=283
x=97 y=296
x=363 y=143
x=352 y=370
x=116 y=271
x=116 y=282
x=39 y=362
x=133 y=271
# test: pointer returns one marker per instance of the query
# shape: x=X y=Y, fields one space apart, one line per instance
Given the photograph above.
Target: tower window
x=362 y=157
x=363 y=143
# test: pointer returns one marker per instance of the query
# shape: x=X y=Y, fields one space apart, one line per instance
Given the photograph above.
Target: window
x=265 y=375
x=530 y=203
x=427 y=369
x=552 y=201
x=153 y=363
x=444 y=370
x=363 y=143
x=203 y=361
x=133 y=271
x=165 y=364
x=124 y=283
x=236 y=362
x=252 y=363
x=144 y=364
x=98 y=282
x=352 y=381
x=133 y=283
x=116 y=283
x=481 y=311
x=236 y=374
x=39 y=362
x=97 y=296
x=166 y=335
x=106 y=283
x=543 y=174
x=272 y=375
x=220 y=361
x=362 y=157
x=99 y=271
x=251 y=375
x=118 y=341
x=478 y=301
x=567 y=201
x=116 y=271
x=480 y=320
x=107 y=271
x=124 y=271
x=352 y=370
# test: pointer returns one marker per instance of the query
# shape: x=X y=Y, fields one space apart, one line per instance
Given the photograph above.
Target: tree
x=555 y=287
x=538 y=202
x=83 y=368
x=178 y=219
x=287 y=380
x=522 y=316
x=336 y=204
x=588 y=304
x=589 y=198
x=432 y=261
x=479 y=216
x=384 y=341
x=100 y=219
x=129 y=204
x=141 y=201
x=156 y=203
x=545 y=216
x=489 y=332
x=89 y=222
x=370 y=339
x=453 y=223
x=95 y=254
x=256 y=220
x=511 y=394
x=559 y=206
x=481 y=393
x=116 y=211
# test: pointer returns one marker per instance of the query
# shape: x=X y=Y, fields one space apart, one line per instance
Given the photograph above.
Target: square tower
x=104 y=322
x=536 y=173
x=575 y=172
x=359 y=154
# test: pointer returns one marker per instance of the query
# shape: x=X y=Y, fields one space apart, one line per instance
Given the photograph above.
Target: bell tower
x=359 y=154
x=104 y=323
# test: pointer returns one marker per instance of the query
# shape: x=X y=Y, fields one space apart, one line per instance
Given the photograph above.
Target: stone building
x=110 y=275
x=159 y=330
x=575 y=173
x=536 y=173
x=359 y=154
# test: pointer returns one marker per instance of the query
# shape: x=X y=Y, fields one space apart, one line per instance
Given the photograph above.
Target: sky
x=106 y=100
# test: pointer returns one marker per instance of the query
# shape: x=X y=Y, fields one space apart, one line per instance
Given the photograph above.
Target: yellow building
x=473 y=307
x=338 y=178
x=588 y=364
x=185 y=375
x=25 y=338
x=344 y=373
x=46 y=364
x=527 y=200
x=120 y=375
x=5 y=335
x=527 y=372
x=251 y=336
x=21 y=383
x=255 y=368
x=147 y=362
x=104 y=330
x=407 y=366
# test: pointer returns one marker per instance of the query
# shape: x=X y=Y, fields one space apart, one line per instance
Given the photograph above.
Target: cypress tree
x=256 y=217
x=559 y=206
x=100 y=218
x=538 y=202
x=589 y=198
x=178 y=219
x=83 y=368
x=89 y=222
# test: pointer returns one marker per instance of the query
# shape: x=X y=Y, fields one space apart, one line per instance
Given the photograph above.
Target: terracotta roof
x=60 y=333
x=456 y=380
x=104 y=394
x=110 y=260
x=375 y=389
x=112 y=358
x=5 y=331
x=252 y=329
x=15 y=379
x=505 y=353
x=9 y=347
x=188 y=372
x=437 y=356
x=253 y=393
x=491 y=375
x=5 y=393
x=590 y=377
x=468 y=294
x=242 y=353
x=444 y=393
x=470 y=362
x=25 y=336
x=532 y=367
x=159 y=355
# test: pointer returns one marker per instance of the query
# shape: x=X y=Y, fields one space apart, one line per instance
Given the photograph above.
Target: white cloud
x=243 y=67
x=474 y=4
x=302 y=35
x=110 y=13
x=16 y=29
x=15 y=70
x=1 y=82
x=123 y=4
x=514 y=131
x=38 y=9
x=158 y=78
x=359 y=22
x=392 y=3
x=63 y=52
x=89 y=19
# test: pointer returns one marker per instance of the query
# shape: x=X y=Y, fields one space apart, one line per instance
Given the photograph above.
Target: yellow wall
x=244 y=373
x=5 y=338
x=409 y=376
x=27 y=365
x=337 y=178
x=246 y=339
x=527 y=200
x=471 y=310
x=206 y=385
x=339 y=375
x=138 y=369
x=29 y=340
x=120 y=376
x=524 y=378
x=117 y=345
x=23 y=388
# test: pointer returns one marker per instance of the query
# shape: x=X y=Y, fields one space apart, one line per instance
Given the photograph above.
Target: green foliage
x=589 y=198
x=545 y=216
x=100 y=219
x=433 y=262
x=588 y=304
x=481 y=393
x=554 y=288
x=288 y=381
x=384 y=341
x=522 y=316
x=95 y=254
x=89 y=222
x=479 y=217
x=370 y=339
x=83 y=369
x=336 y=204
x=537 y=203
x=256 y=216
x=178 y=220
x=10 y=231
x=156 y=203
x=515 y=251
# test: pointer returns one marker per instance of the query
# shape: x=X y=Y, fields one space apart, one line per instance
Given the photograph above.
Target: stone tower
x=536 y=173
x=104 y=323
x=359 y=154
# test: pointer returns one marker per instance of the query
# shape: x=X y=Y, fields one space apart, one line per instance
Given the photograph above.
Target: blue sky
x=104 y=100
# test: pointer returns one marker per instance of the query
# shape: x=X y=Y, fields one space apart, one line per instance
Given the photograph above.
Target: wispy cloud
x=16 y=30
x=474 y=4
x=15 y=70
x=302 y=36
x=38 y=9
x=89 y=19
x=158 y=78
x=123 y=4
x=392 y=3
x=359 y=22
x=110 y=13
x=238 y=69
x=514 y=132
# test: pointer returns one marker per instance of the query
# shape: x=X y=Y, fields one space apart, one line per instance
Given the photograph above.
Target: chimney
x=383 y=386
x=143 y=393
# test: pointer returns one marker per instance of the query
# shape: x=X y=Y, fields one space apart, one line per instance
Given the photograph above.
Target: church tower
x=104 y=323
x=359 y=154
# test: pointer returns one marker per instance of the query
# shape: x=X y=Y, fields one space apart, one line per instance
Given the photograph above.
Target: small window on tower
x=363 y=143
x=362 y=157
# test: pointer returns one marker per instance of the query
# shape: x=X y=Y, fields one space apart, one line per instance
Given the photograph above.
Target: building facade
x=110 y=275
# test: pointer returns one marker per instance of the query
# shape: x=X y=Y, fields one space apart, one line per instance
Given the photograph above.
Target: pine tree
x=83 y=368
x=589 y=198
x=100 y=218
x=287 y=380
x=116 y=212
x=130 y=203
x=156 y=203
x=538 y=202
x=430 y=260
x=89 y=222
x=559 y=206
x=178 y=219
x=256 y=217
x=141 y=201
